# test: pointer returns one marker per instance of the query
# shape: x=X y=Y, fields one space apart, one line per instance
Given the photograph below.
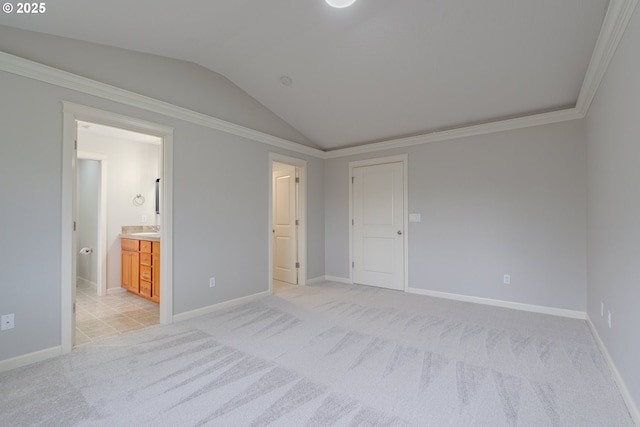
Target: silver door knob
x=399 y=233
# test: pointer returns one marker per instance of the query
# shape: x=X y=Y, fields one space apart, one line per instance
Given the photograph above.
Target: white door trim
x=404 y=158
x=71 y=113
x=101 y=250
x=302 y=229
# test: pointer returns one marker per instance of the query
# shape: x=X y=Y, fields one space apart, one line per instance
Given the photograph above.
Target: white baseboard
x=89 y=282
x=338 y=279
x=624 y=391
x=27 y=359
x=573 y=314
x=113 y=291
x=215 y=307
x=316 y=280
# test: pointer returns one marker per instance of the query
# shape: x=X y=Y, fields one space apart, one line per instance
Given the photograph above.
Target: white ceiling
x=378 y=70
x=86 y=128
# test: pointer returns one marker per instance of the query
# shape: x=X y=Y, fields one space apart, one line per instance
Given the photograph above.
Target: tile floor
x=101 y=317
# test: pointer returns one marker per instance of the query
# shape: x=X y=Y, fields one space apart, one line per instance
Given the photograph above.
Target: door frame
x=71 y=113
x=101 y=250
x=302 y=228
x=404 y=158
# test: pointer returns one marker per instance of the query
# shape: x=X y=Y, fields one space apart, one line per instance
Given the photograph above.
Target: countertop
x=153 y=237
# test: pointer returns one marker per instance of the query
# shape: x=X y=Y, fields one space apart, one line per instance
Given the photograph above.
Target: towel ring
x=138 y=200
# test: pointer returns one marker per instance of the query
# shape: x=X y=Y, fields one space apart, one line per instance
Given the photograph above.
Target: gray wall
x=613 y=134
x=30 y=177
x=220 y=225
x=88 y=203
x=507 y=203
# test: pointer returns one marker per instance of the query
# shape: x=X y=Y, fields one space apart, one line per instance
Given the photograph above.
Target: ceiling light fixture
x=340 y=3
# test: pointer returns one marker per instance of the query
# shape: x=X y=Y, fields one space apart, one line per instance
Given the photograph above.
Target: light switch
x=414 y=217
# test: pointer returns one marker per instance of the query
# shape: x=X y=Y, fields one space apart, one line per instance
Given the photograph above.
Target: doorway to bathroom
x=108 y=199
x=91 y=267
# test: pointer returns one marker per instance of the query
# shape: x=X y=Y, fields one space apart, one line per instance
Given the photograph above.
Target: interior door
x=284 y=224
x=378 y=225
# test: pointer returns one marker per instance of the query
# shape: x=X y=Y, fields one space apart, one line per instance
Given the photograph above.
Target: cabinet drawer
x=145 y=246
x=145 y=259
x=145 y=273
x=130 y=244
x=145 y=288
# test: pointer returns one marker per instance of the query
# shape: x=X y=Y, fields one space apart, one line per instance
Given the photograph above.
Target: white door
x=284 y=224
x=378 y=225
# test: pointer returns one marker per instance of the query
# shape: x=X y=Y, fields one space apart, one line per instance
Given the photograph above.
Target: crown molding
x=614 y=24
x=613 y=27
x=462 y=132
x=36 y=71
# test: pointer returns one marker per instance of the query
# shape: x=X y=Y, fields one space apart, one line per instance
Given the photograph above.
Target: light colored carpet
x=328 y=355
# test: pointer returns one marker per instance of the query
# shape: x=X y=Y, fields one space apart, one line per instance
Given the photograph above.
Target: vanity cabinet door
x=130 y=271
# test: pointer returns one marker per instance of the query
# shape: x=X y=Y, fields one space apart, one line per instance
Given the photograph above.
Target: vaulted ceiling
x=375 y=71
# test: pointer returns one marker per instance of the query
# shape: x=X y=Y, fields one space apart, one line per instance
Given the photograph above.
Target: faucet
x=156 y=228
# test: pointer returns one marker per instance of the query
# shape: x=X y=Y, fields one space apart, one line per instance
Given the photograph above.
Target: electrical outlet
x=506 y=279
x=144 y=218
x=212 y=282
x=7 y=322
x=609 y=318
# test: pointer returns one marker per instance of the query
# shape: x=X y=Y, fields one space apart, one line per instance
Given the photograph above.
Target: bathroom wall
x=132 y=168
x=88 y=202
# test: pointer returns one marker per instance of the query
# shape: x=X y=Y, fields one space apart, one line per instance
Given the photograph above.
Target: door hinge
x=297 y=222
x=74 y=308
x=297 y=180
x=75 y=144
x=353 y=179
x=297 y=265
x=74 y=226
x=353 y=222
x=353 y=264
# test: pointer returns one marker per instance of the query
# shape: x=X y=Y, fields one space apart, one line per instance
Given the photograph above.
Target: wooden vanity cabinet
x=141 y=268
